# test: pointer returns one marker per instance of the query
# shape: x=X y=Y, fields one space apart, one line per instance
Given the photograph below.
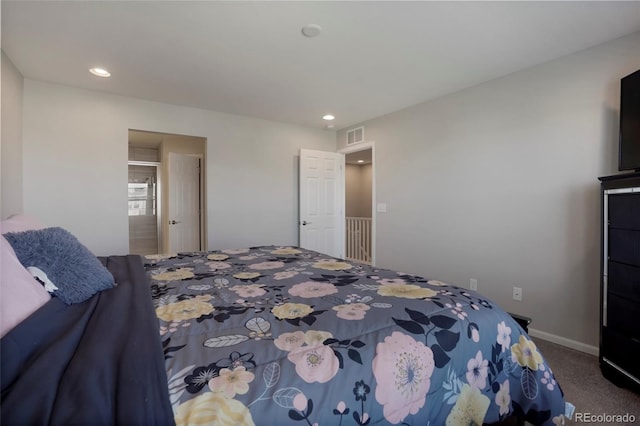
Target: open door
x=184 y=203
x=321 y=221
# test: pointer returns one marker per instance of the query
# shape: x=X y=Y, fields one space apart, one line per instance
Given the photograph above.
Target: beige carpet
x=584 y=386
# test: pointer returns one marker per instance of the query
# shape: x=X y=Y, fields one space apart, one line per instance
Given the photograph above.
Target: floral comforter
x=286 y=336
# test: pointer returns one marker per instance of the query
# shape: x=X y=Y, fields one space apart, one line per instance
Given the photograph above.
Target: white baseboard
x=573 y=344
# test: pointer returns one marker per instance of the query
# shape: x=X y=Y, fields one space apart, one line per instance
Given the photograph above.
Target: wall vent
x=355 y=135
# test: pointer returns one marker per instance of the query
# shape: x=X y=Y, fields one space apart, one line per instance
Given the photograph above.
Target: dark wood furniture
x=620 y=279
x=521 y=320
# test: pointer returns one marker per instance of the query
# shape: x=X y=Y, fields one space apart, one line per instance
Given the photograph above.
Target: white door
x=322 y=217
x=184 y=203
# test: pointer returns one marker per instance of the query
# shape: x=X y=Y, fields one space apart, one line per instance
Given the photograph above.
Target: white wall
x=499 y=183
x=11 y=152
x=75 y=166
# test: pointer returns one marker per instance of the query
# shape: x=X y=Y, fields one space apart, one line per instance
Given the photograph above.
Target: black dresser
x=620 y=279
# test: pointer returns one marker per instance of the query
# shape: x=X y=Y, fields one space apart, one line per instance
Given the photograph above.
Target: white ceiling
x=250 y=58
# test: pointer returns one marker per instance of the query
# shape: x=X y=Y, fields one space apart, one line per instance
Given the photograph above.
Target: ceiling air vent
x=355 y=135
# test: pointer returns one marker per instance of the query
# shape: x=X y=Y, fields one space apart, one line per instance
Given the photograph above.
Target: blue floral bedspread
x=286 y=336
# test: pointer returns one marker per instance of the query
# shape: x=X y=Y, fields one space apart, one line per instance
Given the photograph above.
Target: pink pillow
x=20 y=294
x=20 y=223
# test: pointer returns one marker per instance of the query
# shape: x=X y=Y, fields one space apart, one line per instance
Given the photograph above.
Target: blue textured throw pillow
x=67 y=263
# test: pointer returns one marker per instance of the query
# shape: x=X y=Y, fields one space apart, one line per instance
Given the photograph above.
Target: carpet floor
x=585 y=387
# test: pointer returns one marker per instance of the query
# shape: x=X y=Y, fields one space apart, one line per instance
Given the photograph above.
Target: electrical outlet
x=473 y=284
x=517 y=294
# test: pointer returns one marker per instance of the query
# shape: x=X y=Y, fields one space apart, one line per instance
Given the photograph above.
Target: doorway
x=143 y=207
x=323 y=195
x=359 y=205
x=167 y=177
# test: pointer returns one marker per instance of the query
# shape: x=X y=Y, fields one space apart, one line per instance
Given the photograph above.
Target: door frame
x=181 y=144
x=363 y=146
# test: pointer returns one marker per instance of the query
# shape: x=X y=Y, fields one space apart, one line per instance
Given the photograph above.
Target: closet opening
x=166 y=193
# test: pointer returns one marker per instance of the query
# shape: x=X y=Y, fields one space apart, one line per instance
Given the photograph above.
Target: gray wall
x=11 y=153
x=75 y=166
x=499 y=183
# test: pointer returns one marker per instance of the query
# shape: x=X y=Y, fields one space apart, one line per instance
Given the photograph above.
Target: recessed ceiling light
x=360 y=161
x=328 y=117
x=311 y=30
x=100 y=72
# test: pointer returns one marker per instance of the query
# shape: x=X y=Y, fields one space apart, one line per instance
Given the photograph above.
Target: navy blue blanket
x=96 y=362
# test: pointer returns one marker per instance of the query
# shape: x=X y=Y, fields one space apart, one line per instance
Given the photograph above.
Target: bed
x=273 y=336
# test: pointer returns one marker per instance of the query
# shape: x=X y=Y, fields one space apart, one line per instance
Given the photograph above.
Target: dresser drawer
x=624 y=210
x=624 y=280
x=623 y=314
x=621 y=351
x=624 y=246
